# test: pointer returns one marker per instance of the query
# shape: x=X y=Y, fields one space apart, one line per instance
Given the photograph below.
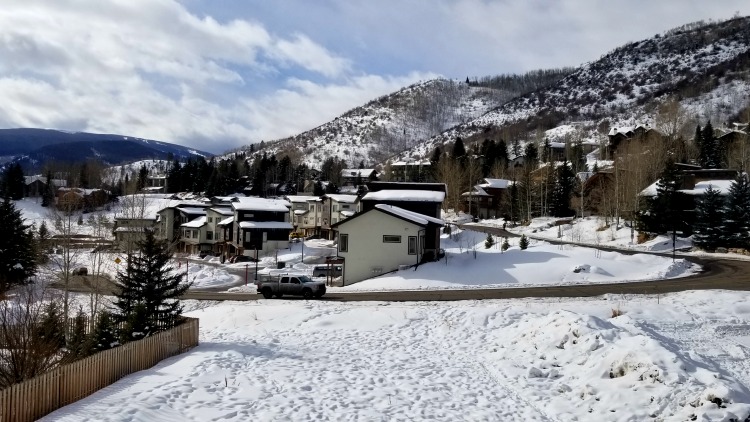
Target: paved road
x=717 y=274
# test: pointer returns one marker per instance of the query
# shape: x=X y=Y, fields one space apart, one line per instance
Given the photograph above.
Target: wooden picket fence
x=41 y=395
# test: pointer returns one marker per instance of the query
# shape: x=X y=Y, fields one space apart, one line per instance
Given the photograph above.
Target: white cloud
x=147 y=69
x=156 y=69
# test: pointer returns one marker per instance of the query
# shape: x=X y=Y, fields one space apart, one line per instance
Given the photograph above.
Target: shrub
x=505 y=245
x=524 y=242
x=489 y=242
x=617 y=312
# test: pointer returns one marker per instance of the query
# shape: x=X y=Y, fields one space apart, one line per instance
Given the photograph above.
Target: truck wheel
x=267 y=293
x=307 y=294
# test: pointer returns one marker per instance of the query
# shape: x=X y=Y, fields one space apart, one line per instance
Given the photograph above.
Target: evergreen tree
x=506 y=245
x=709 y=151
x=18 y=260
x=13 y=182
x=149 y=289
x=50 y=330
x=48 y=196
x=516 y=148
x=515 y=202
x=562 y=191
x=531 y=155
x=104 y=336
x=501 y=153
x=459 y=150
x=489 y=242
x=523 y=243
x=709 y=220
x=737 y=214
x=318 y=189
x=664 y=210
x=78 y=343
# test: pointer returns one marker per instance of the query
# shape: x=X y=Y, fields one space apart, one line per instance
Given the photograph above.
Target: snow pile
x=595 y=367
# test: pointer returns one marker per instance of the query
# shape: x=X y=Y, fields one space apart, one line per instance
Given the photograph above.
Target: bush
x=505 y=246
x=524 y=242
x=489 y=242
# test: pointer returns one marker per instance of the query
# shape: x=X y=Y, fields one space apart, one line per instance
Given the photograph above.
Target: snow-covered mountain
x=399 y=121
x=33 y=147
x=704 y=66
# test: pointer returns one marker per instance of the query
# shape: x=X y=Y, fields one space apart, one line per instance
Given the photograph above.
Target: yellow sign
x=117 y=260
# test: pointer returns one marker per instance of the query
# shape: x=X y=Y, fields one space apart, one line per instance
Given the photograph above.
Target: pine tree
x=105 y=334
x=50 y=330
x=523 y=243
x=18 y=261
x=506 y=245
x=13 y=182
x=709 y=220
x=562 y=191
x=489 y=242
x=48 y=196
x=664 y=213
x=78 y=342
x=737 y=214
x=459 y=150
x=148 y=299
x=531 y=155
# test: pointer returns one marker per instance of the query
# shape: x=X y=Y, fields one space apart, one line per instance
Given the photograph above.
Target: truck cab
x=294 y=285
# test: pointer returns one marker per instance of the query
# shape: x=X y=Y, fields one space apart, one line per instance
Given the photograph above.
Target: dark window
x=285 y=279
x=412 y=245
x=343 y=243
x=388 y=238
x=209 y=235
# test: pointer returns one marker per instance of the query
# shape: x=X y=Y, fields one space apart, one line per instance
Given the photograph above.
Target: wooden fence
x=34 y=398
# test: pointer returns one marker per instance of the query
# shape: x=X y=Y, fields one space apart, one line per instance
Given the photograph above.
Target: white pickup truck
x=295 y=285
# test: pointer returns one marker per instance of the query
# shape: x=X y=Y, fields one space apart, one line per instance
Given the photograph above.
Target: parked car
x=325 y=271
x=295 y=285
x=241 y=258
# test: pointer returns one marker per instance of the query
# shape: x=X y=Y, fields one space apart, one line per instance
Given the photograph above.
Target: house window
x=344 y=207
x=312 y=207
x=210 y=219
x=343 y=243
x=335 y=208
x=209 y=235
x=412 y=245
x=388 y=238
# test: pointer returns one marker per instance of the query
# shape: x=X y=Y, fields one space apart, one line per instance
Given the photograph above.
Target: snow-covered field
x=678 y=357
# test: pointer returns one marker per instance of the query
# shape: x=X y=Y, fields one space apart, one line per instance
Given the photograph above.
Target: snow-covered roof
x=478 y=191
x=300 y=198
x=406 y=195
x=261 y=204
x=412 y=216
x=357 y=172
x=192 y=210
x=265 y=225
x=226 y=221
x=495 y=183
x=347 y=213
x=700 y=188
x=222 y=211
x=411 y=163
x=346 y=199
x=197 y=223
x=300 y=212
x=43 y=179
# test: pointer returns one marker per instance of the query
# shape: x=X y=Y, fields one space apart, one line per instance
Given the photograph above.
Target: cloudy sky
x=218 y=74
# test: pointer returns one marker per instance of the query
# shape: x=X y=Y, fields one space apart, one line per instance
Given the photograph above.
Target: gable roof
x=261 y=204
x=197 y=223
x=346 y=199
x=397 y=212
x=357 y=172
x=405 y=195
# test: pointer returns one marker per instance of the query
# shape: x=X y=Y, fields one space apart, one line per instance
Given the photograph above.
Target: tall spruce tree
x=13 y=182
x=709 y=220
x=664 y=210
x=48 y=196
x=148 y=300
x=737 y=214
x=562 y=191
x=18 y=261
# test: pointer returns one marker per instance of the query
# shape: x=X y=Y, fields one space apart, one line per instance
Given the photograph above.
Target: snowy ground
x=471 y=265
x=673 y=357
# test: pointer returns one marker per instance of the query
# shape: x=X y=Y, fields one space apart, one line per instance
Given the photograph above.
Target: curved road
x=723 y=274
